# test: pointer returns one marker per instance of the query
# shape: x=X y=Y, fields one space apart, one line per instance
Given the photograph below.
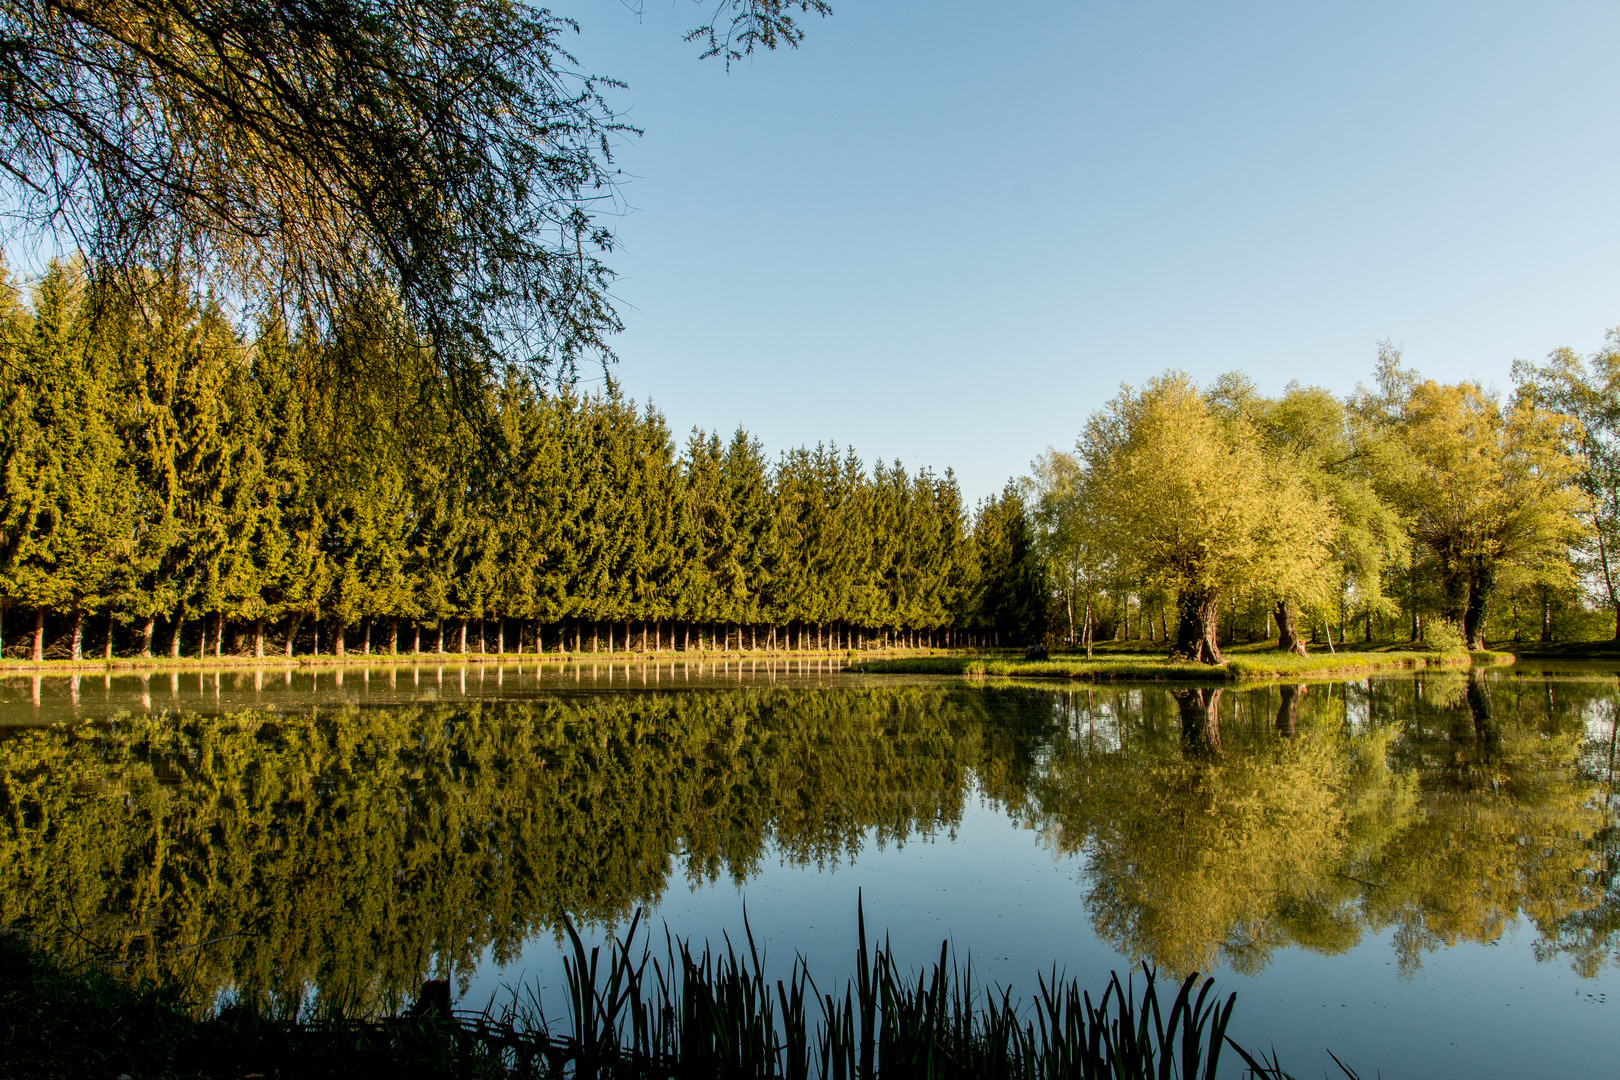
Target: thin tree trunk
x=258 y=638
x=462 y=632
x=148 y=630
x=107 y=652
x=1411 y=595
x=1479 y=590
x=78 y=633
x=174 y=635
x=37 y=651
x=365 y=643
x=292 y=631
x=219 y=634
x=393 y=635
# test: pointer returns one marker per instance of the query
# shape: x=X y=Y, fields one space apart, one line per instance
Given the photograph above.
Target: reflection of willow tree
x=1198 y=828
x=1220 y=826
x=1511 y=826
x=357 y=849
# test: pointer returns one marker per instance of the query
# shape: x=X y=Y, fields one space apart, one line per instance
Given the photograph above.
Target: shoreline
x=1242 y=667
x=136 y=664
x=1115 y=667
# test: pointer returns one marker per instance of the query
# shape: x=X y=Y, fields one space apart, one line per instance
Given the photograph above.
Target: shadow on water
x=344 y=850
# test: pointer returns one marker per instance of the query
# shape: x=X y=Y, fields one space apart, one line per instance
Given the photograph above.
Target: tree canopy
x=448 y=154
x=1185 y=500
x=160 y=472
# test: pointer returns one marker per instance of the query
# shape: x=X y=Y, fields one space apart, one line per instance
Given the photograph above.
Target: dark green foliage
x=1010 y=603
x=207 y=491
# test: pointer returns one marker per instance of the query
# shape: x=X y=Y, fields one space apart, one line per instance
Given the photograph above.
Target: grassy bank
x=1238 y=665
x=1564 y=650
x=640 y=1015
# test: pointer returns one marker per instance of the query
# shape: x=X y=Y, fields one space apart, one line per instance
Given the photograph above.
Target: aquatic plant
x=630 y=1014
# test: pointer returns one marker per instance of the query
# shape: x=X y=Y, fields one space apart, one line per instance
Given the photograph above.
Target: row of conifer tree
x=170 y=483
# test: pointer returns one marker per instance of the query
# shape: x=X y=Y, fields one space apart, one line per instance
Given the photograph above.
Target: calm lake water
x=1416 y=871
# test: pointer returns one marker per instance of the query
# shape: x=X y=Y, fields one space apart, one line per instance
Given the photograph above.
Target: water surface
x=1415 y=870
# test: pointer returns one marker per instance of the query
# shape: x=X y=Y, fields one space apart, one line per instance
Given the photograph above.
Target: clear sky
x=946 y=231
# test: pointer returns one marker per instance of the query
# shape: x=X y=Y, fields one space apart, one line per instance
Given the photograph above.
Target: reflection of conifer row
x=353 y=849
x=169 y=486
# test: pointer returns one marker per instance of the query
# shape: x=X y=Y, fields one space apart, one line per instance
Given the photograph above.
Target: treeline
x=170 y=484
x=1196 y=515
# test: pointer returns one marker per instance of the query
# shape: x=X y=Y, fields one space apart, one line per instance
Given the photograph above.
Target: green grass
x=632 y=1014
x=1565 y=650
x=1240 y=664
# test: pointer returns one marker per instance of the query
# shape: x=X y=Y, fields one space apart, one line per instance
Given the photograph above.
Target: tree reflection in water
x=356 y=850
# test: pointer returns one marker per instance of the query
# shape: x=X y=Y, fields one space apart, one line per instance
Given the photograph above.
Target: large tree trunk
x=292 y=631
x=1197 y=628
x=258 y=638
x=1288 y=639
x=148 y=630
x=37 y=652
x=174 y=634
x=1288 y=708
x=1486 y=736
x=1200 y=719
x=1479 y=591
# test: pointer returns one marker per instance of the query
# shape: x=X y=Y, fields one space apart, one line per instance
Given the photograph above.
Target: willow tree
x=1078 y=565
x=1484 y=487
x=1589 y=391
x=447 y=153
x=1311 y=433
x=1187 y=500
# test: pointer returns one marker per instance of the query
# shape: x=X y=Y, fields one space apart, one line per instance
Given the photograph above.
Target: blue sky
x=945 y=232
